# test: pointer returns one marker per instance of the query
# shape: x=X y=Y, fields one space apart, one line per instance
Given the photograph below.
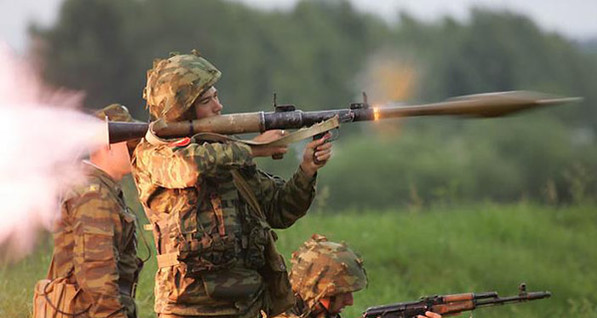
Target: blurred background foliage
x=322 y=54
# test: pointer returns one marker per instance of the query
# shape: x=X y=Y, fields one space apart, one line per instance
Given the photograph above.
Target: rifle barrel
x=514 y=299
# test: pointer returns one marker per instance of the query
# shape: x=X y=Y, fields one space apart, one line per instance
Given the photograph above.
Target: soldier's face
x=336 y=304
x=208 y=104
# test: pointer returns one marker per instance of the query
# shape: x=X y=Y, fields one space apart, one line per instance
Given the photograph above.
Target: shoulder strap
x=247 y=193
x=51 y=268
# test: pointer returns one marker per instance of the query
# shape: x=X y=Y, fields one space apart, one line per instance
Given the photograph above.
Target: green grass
x=436 y=251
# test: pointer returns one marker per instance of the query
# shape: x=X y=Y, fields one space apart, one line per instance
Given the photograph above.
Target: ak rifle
x=451 y=304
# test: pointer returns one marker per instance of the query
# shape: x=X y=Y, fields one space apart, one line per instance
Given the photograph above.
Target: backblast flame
x=42 y=137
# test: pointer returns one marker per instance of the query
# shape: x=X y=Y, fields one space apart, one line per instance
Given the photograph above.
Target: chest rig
x=211 y=229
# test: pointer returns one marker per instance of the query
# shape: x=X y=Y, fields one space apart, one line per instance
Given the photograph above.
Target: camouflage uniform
x=95 y=242
x=211 y=244
x=95 y=245
x=323 y=269
x=198 y=215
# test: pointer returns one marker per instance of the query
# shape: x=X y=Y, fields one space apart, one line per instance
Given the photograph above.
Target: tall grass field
x=408 y=254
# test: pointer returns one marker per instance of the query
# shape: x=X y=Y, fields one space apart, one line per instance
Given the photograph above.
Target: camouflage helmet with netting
x=114 y=112
x=173 y=84
x=321 y=268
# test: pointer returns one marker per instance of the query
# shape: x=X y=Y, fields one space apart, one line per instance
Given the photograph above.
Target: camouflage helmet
x=173 y=84
x=323 y=269
x=114 y=112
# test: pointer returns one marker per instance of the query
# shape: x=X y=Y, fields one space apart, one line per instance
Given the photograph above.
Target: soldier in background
x=95 y=244
x=211 y=209
x=324 y=275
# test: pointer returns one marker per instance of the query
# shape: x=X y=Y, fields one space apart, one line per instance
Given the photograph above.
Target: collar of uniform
x=95 y=171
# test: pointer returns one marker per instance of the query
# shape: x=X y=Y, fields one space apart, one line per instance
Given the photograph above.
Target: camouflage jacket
x=211 y=244
x=95 y=244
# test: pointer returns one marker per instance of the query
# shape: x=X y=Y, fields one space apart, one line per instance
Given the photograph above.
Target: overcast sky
x=575 y=19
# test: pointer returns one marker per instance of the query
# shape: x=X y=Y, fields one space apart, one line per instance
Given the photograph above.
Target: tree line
x=322 y=54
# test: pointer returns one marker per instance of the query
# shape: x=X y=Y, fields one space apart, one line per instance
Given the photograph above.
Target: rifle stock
x=451 y=304
x=288 y=117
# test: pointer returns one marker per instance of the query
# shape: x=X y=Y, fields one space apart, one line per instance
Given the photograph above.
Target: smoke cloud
x=42 y=137
x=389 y=77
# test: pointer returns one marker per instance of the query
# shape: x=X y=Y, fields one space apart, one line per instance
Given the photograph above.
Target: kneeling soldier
x=324 y=275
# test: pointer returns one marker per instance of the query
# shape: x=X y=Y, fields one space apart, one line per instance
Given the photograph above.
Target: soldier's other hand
x=318 y=149
x=270 y=135
x=429 y=314
x=266 y=151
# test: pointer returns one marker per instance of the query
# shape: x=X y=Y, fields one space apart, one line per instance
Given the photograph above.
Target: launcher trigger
x=334 y=135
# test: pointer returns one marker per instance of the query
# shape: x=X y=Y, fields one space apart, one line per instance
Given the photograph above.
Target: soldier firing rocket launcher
x=288 y=117
x=451 y=304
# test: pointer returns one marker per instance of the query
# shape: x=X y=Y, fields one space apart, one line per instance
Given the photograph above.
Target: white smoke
x=42 y=137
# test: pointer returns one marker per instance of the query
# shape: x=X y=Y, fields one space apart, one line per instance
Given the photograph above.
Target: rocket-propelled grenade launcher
x=288 y=117
x=451 y=304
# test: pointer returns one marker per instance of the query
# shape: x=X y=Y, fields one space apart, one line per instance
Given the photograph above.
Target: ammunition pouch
x=246 y=283
x=201 y=251
x=278 y=294
x=210 y=253
x=255 y=257
x=200 y=260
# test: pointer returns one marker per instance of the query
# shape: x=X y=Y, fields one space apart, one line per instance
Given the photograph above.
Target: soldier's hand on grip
x=319 y=149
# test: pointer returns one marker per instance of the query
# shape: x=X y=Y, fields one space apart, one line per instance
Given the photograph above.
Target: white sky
x=573 y=18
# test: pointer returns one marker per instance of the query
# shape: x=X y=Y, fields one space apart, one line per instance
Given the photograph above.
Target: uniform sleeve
x=180 y=167
x=285 y=202
x=95 y=257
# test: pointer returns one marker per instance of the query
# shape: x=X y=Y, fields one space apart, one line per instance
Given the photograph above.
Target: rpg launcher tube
x=288 y=117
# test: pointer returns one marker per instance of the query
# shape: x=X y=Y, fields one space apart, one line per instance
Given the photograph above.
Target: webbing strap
x=167 y=260
x=152 y=138
x=245 y=190
x=216 y=203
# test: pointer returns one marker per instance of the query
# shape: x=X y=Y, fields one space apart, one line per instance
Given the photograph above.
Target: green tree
x=314 y=56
